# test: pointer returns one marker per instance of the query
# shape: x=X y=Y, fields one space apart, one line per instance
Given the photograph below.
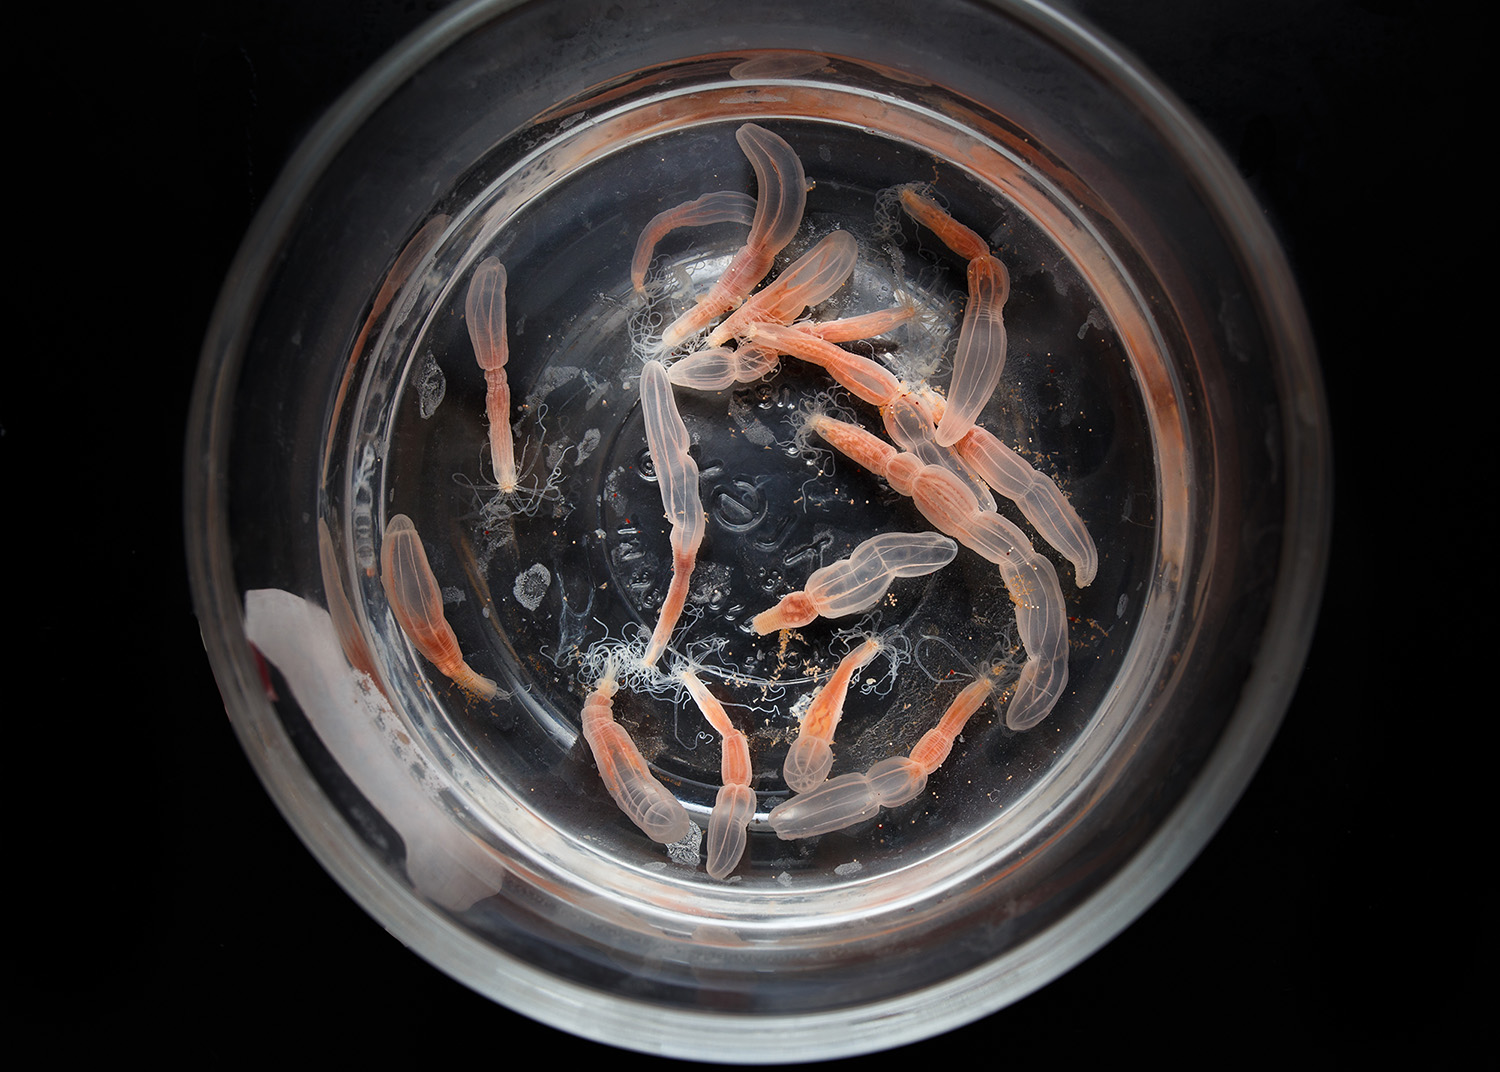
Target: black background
x=191 y=919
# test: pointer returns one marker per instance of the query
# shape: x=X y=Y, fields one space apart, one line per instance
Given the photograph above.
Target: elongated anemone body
x=643 y=799
x=811 y=755
x=1038 y=497
x=677 y=476
x=852 y=798
x=810 y=280
x=980 y=358
x=781 y=197
x=954 y=235
x=734 y=806
x=417 y=604
x=858 y=582
x=485 y=312
x=722 y=206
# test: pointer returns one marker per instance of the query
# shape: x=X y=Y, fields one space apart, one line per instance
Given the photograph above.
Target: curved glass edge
x=1308 y=468
x=1309 y=458
x=847 y=1032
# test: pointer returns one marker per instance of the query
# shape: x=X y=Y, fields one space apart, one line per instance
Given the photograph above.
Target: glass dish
x=1159 y=369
